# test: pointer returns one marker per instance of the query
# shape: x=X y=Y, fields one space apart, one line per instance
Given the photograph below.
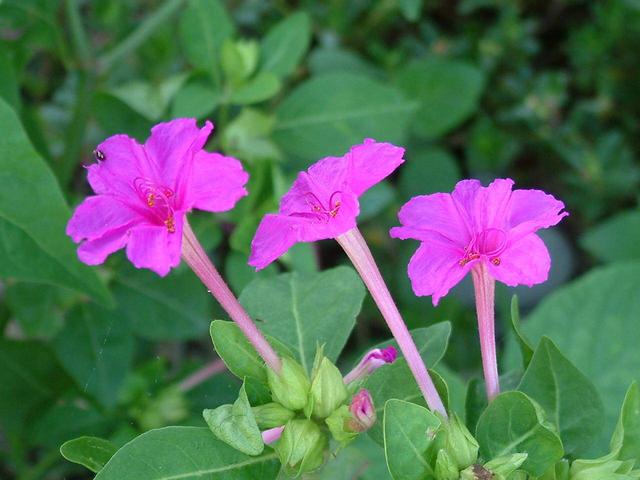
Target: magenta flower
x=323 y=201
x=144 y=191
x=488 y=231
x=493 y=225
x=363 y=411
x=373 y=360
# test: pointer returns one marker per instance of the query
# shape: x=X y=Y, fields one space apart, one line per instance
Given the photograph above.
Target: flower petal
x=371 y=162
x=525 y=262
x=123 y=160
x=434 y=269
x=425 y=215
x=492 y=205
x=98 y=215
x=217 y=182
x=155 y=248
x=172 y=146
x=94 y=252
x=532 y=210
x=275 y=235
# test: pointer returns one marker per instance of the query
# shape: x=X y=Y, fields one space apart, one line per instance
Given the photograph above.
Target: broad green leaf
x=204 y=26
x=428 y=170
x=260 y=88
x=96 y=349
x=65 y=420
x=409 y=430
x=626 y=438
x=332 y=59
x=285 y=44
x=448 y=92
x=307 y=310
x=154 y=456
x=512 y=423
x=173 y=308
x=147 y=99
x=362 y=459
x=475 y=401
x=90 y=452
x=197 y=98
x=9 y=90
x=328 y=114
x=33 y=217
x=235 y=425
x=525 y=347
x=593 y=320
x=568 y=398
x=34 y=308
x=238 y=354
x=615 y=239
x=30 y=380
x=114 y=117
x=375 y=200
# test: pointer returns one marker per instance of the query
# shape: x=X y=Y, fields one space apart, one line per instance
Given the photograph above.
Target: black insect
x=99 y=155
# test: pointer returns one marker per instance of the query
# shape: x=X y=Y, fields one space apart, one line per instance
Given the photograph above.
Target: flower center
x=158 y=199
x=318 y=209
x=489 y=243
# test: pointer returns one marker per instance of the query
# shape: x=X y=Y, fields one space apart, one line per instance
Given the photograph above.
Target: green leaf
x=176 y=307
x=475 y=400
x=525 y=347
x=9 y=90
x=238 y=354
x=34 y=308
x=626 y=438
x=569 y=398
x=411 y=9
x=448 y=92
x=154 y=456
x=236 y=426
x=285 y=44
x=30 y=380
x=90 y=452
x=149 y=100
x=338 y=110
x=429 y=170
x=615 y=239
x=96 y=348
x=197 y=98
x=512 y=423
x=409 y=430
x=306 y=310
x=260 y=88
x=204 y=26
x=33 y=216
x=593 y=320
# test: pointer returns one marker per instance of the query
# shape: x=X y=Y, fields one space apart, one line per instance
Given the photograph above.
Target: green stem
x=147 y=28
x=79 y=37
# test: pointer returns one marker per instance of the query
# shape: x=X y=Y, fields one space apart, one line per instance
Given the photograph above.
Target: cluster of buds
x=306 y=410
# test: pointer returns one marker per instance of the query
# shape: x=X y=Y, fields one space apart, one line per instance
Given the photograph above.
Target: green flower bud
x=271 y=415
x=328 y=391
x=301 y=447
x=459 y=443
x=503 y=466
x=290 y=388
x=167 y=407
x=340 y=424
x=446 y=468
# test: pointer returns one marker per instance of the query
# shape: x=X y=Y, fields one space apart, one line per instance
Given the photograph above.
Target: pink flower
x=323 y=201
x=363 y=411
x=373 y=360
x=144 y=191
x=494 y=226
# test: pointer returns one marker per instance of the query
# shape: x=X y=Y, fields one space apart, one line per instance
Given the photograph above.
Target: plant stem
x=484 y=286
x=197 y=259
x=358 y=251
x=202 y=375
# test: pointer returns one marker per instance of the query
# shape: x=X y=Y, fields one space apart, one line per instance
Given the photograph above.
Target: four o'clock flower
x=143 y=193
x=373 y=360
x=488 y=231
x=363 y=411
x=323 y=203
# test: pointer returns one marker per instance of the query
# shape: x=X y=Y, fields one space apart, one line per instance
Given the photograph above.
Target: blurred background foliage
x=544 y=92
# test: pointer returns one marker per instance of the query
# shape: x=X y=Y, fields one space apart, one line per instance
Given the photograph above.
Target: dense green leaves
x=615 y=239
x=409 y=430
x=33 y=216
x=329 y=113
x=594 y=323
x=285 y=44
x=568 y=398
x=626 y=438
x=512 y=423
x=448 y=92
x=185 y=453
x=307 y=310
x=96 y=348
x=90 y=452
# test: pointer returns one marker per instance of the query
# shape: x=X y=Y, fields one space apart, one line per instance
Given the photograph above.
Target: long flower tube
x=358 y=252
x=195 y=256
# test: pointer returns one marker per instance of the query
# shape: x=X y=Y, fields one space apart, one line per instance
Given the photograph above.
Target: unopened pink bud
x=272 y=435
x=363 y=411
x=373 y=360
